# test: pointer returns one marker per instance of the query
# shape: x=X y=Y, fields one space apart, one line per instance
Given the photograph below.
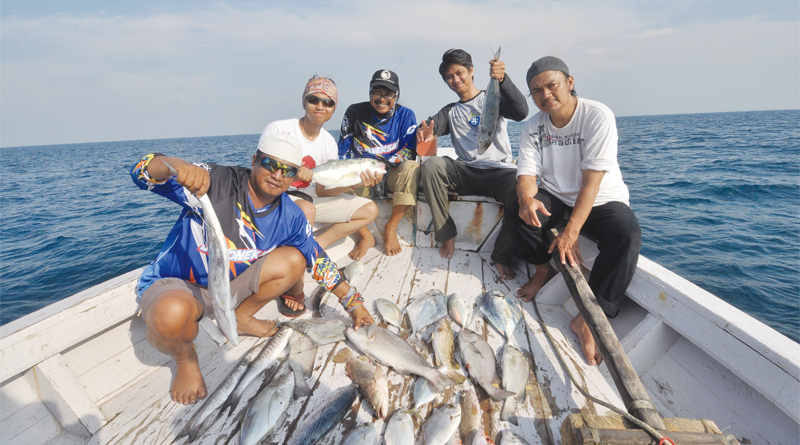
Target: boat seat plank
x=96 y=349
x=24 y=418
x=647 y=342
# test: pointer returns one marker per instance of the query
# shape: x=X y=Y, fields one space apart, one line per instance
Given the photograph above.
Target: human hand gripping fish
x=194 y=178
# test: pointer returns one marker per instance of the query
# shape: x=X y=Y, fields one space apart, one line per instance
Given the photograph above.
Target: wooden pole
x=630 y=387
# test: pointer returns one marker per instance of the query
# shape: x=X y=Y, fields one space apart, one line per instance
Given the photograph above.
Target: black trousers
x=613 y=225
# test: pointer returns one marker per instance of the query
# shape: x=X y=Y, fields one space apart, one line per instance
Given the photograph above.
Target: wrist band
x=352 y=300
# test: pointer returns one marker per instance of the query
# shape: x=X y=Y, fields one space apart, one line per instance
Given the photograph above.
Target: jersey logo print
x=474 y=119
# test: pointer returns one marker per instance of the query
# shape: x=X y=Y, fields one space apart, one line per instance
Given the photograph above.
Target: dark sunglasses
x=313 y=100
x=272 y=165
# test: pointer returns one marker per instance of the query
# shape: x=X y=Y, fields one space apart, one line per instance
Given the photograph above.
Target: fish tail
x=508 y=410
x=343 y=356
x=301 y=388
x=498 y=394
x=231 y=403
x=439 y=380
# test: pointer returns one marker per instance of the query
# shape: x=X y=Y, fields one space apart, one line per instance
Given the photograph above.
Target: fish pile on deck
x=368 y=351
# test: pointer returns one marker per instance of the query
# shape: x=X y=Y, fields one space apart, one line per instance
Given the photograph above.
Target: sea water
x=717 y=196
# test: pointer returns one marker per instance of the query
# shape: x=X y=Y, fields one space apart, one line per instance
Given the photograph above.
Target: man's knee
x=171 y=312
x=435 y=166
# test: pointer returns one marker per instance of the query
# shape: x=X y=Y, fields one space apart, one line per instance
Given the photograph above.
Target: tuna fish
x=457 y=309
x=325 y=416
x=391 y=350
x=479 y=360
x=516 y=371
x=502 y=313
x=490 y=115
x=364 y=434
x=371 y=380
x=400 y=429
x=441 y=425
x=346 y=173
x=266 y=410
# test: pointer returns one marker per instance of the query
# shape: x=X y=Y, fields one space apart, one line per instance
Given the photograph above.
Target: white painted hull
x=81 y=370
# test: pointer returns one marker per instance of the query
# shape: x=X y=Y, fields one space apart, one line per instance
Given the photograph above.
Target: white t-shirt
x=558 y=155
x=321 y=150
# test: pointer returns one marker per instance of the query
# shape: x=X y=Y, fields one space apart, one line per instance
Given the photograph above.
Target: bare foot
x=505 y=272
x=544 y=273
x=447 y=248
x=188 y=385
x=390 y=242
x=260 y=328
x=579 y=326
x=362 y=247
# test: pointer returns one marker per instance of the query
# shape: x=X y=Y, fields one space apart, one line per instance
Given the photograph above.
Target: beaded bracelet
x=352 y=300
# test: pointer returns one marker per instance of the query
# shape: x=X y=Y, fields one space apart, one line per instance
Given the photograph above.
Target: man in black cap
x=570 y=148
x=381 y=129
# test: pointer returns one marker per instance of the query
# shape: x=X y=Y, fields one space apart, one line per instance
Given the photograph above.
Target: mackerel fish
x=516 y=371
x=370 y=378
x=426 y=309
x=266 y=410
x=479 y=360
x=364 y=434
x=219 y=278
x=510 y=438
x=502 y=313
x=400 y=429
x=490 y=115
x=441 y=425
x=389 y=349
x=326 y=416
x=347 y=172
x=457 y=309
x=198 y=422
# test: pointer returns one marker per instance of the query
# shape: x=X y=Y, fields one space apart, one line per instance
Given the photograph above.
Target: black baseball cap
x=387 y=79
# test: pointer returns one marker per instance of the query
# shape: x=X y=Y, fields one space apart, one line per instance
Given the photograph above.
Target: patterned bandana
x=321 y=85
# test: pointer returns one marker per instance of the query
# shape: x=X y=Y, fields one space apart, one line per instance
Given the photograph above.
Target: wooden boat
x=81 y=371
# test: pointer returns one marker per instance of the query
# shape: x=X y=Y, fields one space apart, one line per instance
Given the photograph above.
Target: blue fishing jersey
x=367 y=135
x=249 y=233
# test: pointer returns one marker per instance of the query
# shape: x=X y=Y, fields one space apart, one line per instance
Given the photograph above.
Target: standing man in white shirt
x=568 y=171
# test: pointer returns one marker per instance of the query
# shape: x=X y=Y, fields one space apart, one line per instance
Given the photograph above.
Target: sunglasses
x=272 y=165
x=313 y=100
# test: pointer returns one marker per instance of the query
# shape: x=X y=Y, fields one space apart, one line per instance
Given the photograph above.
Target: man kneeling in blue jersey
x=272 y=246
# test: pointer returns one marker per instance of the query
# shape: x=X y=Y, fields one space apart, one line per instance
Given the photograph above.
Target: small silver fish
x=400 y=429
x=266 y=409
x=510 y=438
x=390 y=313
x=503 y=314
x=426 y=309
x=490 y=115
x=457 y=309
x=346 y=173
x=516 y=371
x=364 y=434
x=479 y=360
x=423 y=393
x=325 y=416
x=441 y=425
x=371 y=380
x=353 y=270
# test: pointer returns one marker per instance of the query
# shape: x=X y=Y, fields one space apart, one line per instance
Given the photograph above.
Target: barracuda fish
x=364 y=434
x=268 y=356
x=218 y=397
x=347 y=172
x=457 y=309
x=516 y=371
x=444 y=345
x=371 y=380
x=471 y=414
x=301 y=359
x=391 y=314
x=479 y=360
x=400 y=429
x=490 y=115
x=510 y=438
x=321 y=331
x=426 y=309
x=326 y=416
x=503 y=314
x=389 y=349
x=441 y=425
x=266 y=410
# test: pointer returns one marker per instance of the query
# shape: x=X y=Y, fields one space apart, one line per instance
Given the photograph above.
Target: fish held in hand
x=347 y=172
x=490 y=115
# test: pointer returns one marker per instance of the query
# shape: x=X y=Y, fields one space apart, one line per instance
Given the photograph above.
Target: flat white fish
x=219 y=279
x=510 y=438
x=364 y=434
x=353 y=270
x=218 y=397
x=426 y=309
x=471 y=413
x=390 y=313
x=490 y=115
x=347 y=172
x=266 y=409
x=444 y=345
x=457 y=309
x=321 y=331
x=400 y=429
x=268 y=356
x=371 y=380
x=423 y=392
x=389 y=349
x=325 y=416
x=502 y=313
x=301 y=359
x=441 y=425
x=516 y=371
x=479 y=360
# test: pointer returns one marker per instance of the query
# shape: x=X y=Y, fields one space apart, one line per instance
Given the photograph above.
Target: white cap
x=282 y=146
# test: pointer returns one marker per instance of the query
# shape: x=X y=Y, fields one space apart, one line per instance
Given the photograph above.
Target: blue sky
x=88 y=71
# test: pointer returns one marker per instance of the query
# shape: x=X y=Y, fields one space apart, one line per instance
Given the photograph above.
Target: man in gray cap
x=570 y=148
x=270 y=246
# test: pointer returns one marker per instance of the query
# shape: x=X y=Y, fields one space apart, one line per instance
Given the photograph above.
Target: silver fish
x=390 y=313
x=364 y=434
x=471 y=413
x=426 y=309
x=371 y=380
x=346 y=173
x=444 y=345
x=391 y=350
x=321 y=331
x=218 y=397
x=503 y=314
x=516 y=371
x=400 y=429
x=268 y=356
x=510 y=438
x=423 y=393
x=479 y=360
x=490 y=115
x=353 y=270
x=457 y=309
x=441 y=425
x=301 y=359
x=219 y=278
x=266 y=410
x=326 y=416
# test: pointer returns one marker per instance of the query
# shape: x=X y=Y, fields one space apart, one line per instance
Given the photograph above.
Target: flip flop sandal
x=286 y=310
